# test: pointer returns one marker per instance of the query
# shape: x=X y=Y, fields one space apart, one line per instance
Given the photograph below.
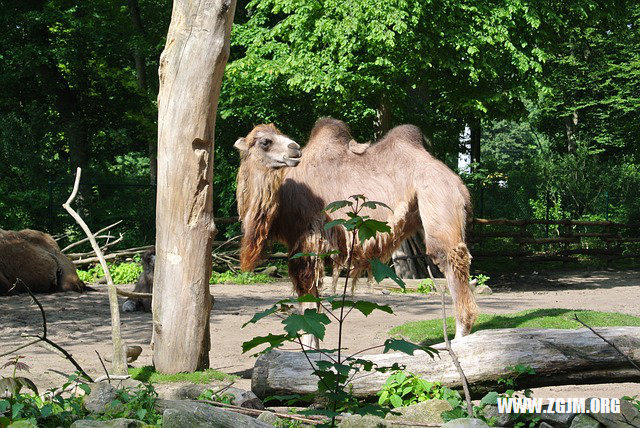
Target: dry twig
x=613 y=345
x=119 y=357
x=96 y=235
x=44 y=338
x=454 y=357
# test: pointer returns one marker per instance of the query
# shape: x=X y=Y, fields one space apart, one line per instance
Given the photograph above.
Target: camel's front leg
x=303 y=272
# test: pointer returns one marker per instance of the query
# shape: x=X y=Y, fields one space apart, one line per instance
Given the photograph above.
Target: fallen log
x=559 y=357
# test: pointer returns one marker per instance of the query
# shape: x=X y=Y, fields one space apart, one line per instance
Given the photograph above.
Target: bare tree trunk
x=191 y=69
x=570 y=123
x=475 y=143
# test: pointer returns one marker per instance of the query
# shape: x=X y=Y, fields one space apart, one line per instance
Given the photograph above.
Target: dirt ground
x=81 y=323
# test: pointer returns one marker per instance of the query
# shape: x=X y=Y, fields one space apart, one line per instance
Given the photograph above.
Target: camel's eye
x=265 y=143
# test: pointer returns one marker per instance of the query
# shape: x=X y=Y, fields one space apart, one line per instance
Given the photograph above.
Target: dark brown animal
x=144 y=284
x=286 y=204
x=35 y=258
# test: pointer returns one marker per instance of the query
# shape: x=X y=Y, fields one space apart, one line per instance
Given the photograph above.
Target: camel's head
x=270 y=147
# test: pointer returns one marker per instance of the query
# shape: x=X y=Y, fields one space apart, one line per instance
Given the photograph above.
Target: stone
x=113 y=423
x=556 y=420
x=182 y=390
x=584 y=421
x=629 y=416
x=484 y=289
x=187 y=413
x=366 y=421
x=426 y=411
x=545 y=425
x=501 y=419
x=466 y=423
x=269 y=418
x=243 y=398
x=101 y=395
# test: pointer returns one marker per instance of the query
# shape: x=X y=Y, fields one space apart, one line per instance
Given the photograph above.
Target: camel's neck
x=258 y=204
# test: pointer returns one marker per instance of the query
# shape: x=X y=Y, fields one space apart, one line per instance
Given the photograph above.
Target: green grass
x=244 y=278
x=430 y=332
x=149 y=374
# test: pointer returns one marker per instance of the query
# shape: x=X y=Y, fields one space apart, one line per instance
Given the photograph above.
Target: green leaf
x=365 y=307
x=381 y=271
x=490 y=398
x=406 y=347
x=274 y=340
x=46 y=410
x=375 y=204
x=369 y=228
x=396 y=400
x=335 y=206
x=311 y=322
x=258 y=316
x=334 y=223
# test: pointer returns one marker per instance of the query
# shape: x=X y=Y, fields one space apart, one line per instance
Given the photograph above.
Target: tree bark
x=476 y=130
x=570 y=123
x=559 y=357
x=191 y=69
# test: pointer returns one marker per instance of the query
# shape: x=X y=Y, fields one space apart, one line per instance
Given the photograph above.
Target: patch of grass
x=149 y=374
x=121 y=273
x=244 y=278
x=430 y=332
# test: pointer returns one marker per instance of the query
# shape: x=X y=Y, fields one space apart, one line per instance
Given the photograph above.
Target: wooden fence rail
x=568 y=239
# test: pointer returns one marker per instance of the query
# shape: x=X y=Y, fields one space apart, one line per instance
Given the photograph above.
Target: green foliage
x=134 y=403
x=481 y=278
x=403 y=388
x=230 y=277
x=121 y=273
x=220 y=397
x=430 y=332
x=426 y=286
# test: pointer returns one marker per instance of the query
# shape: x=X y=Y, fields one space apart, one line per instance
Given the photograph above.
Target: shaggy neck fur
x=257 y=194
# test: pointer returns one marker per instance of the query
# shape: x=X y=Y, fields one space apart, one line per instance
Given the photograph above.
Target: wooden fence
x=553 y=240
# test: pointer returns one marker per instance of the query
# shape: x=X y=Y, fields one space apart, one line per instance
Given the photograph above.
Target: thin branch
x=119 y=356
x=364 y=350
x=82 y=241
x=44 y=337
x=246 y=411
x=613 y=345
x=310 y=363
x=454 y=357
x=103 y=366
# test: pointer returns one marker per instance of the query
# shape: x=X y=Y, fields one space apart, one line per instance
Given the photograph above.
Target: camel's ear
x=241 y=145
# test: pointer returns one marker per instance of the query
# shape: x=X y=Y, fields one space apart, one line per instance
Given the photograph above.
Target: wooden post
x=191 y=69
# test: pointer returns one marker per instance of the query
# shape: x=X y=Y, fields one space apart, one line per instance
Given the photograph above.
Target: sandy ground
x=81 y=323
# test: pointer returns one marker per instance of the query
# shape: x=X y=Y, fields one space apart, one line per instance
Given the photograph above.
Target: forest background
x=541 y=97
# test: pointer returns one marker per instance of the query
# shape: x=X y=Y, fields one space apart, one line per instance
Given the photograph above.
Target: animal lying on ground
x=35 y=258
x=144 y=284
x=282 y=192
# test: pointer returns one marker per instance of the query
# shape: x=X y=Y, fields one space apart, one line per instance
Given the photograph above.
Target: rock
x=101 y=395
x=466 y=423
x=366 y=421
x=184 y=390
x=556 y=420
x=545 y=425
x=114 y=423
x=584 y=421
x=484 y=289
x=385 y=292
x=269 y=418
x=185 y=413
x=427 y=411
x=501 y=419
x=243 y=398
x=629 y=416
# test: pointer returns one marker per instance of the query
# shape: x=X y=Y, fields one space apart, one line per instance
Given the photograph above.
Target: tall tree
x=191 y=69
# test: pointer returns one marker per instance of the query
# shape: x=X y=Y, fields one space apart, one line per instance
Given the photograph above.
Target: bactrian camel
x=282 y=193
